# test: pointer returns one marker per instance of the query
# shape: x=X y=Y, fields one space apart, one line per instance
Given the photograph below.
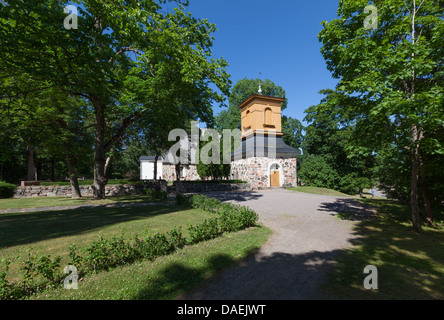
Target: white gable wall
x=147 y=169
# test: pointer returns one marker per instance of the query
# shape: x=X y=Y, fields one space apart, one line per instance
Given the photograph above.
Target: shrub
x=183 y=200
x=47 y=267
x=7 y=190
x=205 y=203
x=5 y=287
x=156 y=246
x=156 y=194
x=176 y=238
x=316 y=172
x=352 y=184
x=209 y=229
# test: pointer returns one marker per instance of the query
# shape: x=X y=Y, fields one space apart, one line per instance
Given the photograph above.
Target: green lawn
x=410 y=265
x=53 y=232
x=330 y=192
x=17 y=203
x=320 y=191
x=169 y=276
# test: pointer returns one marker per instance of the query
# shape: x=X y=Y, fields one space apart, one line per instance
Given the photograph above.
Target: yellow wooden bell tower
x=261 y=115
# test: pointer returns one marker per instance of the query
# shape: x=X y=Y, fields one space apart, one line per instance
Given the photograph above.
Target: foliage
x=390 y=81
x=4 y=283
x=316 y=171
x=123 y=60
x=213 y=167
x=7 y=189
x=156 y=194
x=183 y=200
x=207 y=230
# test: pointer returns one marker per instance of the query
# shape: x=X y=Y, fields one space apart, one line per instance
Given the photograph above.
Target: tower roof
x=261 y=97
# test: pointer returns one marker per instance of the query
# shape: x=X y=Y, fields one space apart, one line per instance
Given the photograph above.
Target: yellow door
x=275 y=181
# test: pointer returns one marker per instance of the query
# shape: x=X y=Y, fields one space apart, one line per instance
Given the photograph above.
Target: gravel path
x=292 y=264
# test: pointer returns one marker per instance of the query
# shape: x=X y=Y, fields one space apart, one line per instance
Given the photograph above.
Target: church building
x=263 y=159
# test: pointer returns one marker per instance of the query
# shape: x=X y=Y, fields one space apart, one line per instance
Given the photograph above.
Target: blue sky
x=276 y=38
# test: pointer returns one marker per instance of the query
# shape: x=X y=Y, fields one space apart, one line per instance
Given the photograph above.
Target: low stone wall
x=86 y=191
x=190 y=187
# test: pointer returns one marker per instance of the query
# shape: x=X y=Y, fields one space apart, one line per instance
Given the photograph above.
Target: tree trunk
x=75 y=188
x=31 y=165
x=155 y=166
x=99 y=152
x=53 y=170
x=107 y=167
x=416 y=219
x=427 y=204
x=178 y=172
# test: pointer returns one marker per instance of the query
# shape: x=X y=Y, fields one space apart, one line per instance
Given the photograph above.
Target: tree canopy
x=124 y=59
x=390 y=78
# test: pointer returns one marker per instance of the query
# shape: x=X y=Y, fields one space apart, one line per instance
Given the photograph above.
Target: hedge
x=7 y=190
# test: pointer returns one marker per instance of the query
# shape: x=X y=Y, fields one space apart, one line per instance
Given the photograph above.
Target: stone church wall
x=256 y=171
x=189 y=173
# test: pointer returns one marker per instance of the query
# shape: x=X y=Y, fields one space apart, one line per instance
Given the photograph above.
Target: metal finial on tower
x=260 y=88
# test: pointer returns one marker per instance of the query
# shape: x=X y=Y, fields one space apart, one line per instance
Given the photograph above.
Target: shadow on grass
x=23 y=228
x=410 y=265
x=278 y=277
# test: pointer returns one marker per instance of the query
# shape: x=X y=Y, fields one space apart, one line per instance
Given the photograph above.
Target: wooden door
x=275 y=179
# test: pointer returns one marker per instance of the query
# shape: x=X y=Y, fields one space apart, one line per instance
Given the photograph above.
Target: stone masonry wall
x=86 y=191
x=169 y=173
x=256 y=171
x=210 y=187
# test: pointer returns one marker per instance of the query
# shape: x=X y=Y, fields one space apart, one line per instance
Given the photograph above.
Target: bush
x=183 y=200
x=176 y=238
x=316 y=172
x=156 y=194
x=207 y=230
x=7 y=190
x=5 y=287
x=205 y=203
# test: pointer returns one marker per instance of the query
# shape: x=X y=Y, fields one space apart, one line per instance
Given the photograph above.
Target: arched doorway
x=275 y=175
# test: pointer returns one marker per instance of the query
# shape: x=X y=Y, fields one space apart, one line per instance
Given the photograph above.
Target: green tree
x=124 y=58
x=393 y=73
x=316 y=171
x=52 y=127
x=211 y=155
x=328 y=134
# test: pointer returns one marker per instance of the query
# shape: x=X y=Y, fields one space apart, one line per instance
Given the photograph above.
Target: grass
x=331 y=192
x=410 y=265
x=18 y=203
x=166 y=277
x=320 y=191
x=53 y=232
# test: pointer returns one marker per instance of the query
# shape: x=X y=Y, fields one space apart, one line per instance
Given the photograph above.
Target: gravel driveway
x=292 y=264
